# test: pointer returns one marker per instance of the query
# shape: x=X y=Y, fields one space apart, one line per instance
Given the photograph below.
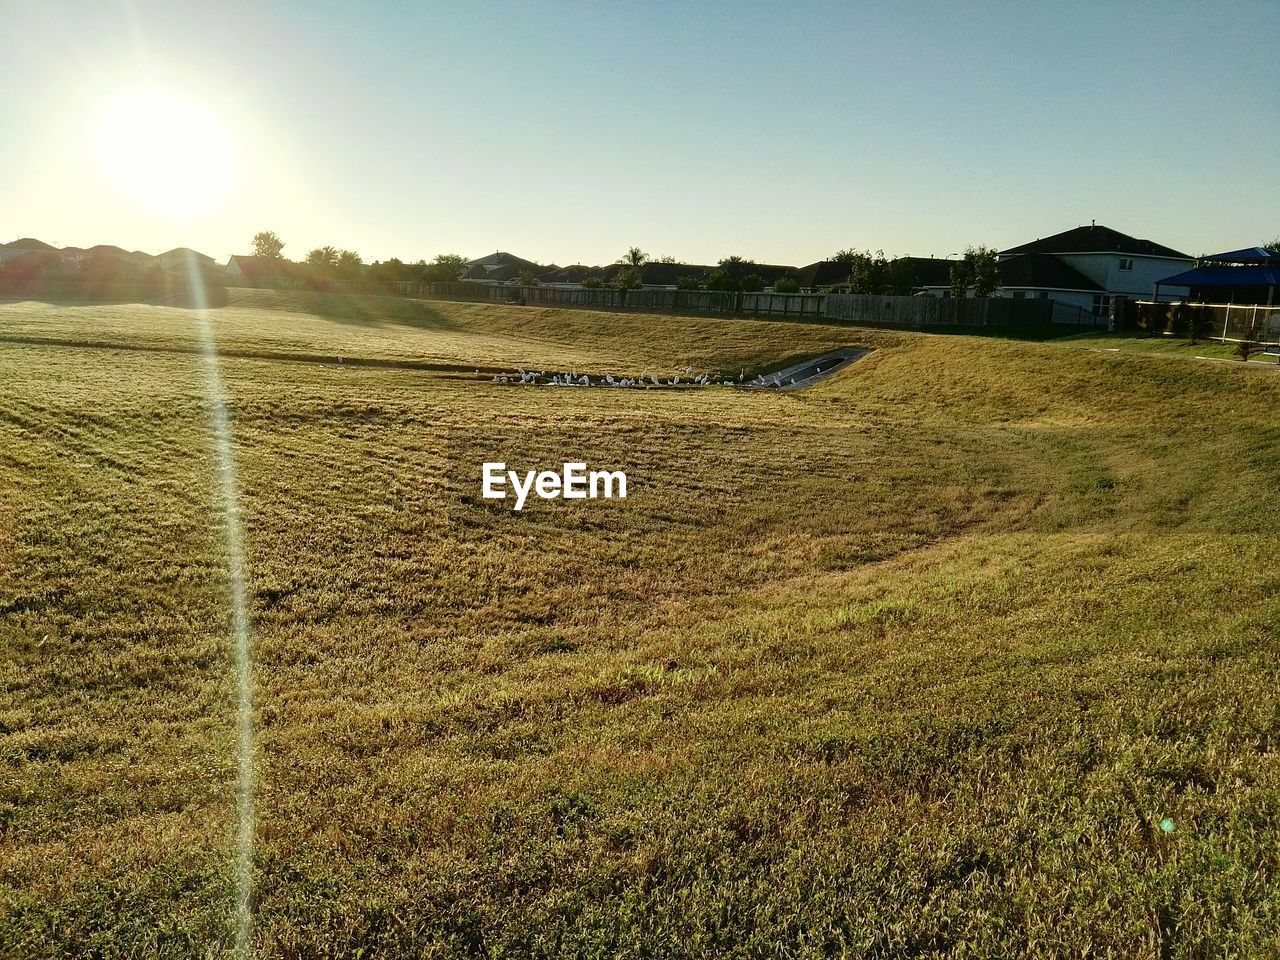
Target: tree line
x=334 y=263
x=869 y=272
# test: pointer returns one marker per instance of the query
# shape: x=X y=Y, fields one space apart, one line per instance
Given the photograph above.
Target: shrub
x=1249 y=341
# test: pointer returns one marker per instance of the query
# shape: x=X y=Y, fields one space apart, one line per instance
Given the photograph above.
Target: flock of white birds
x=645 y=380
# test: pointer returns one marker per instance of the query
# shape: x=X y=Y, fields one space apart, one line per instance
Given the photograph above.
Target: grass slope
x=913 y=663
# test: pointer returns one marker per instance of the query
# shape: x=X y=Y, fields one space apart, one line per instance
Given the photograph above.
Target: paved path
x=808 y=372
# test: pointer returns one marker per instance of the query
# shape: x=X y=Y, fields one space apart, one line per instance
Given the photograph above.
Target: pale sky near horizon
x=567 y=132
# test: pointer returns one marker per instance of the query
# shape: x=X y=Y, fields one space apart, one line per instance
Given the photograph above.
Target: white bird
x=741 y=374
x=586 y=381
x=654 y=378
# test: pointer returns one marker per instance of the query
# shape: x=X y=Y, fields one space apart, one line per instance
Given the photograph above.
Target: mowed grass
x=913 y=663
x=1167 y=346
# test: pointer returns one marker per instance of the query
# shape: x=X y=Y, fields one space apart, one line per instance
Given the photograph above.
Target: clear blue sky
x=568 y=132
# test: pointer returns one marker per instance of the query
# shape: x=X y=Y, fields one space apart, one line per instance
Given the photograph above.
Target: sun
x=165 y=151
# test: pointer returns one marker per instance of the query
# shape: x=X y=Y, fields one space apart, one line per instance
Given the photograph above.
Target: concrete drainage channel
x=795 y=377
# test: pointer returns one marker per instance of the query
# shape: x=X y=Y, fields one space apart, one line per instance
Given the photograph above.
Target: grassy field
x=969 y=651
x=1160 y=346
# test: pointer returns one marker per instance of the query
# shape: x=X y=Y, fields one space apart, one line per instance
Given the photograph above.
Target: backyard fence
x=950 y=312
x=609 y=298
x=849 y=308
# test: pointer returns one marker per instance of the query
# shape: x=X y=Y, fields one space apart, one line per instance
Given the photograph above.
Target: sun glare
x=165 y=151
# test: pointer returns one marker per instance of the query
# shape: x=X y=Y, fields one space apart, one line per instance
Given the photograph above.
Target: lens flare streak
x=229 y=505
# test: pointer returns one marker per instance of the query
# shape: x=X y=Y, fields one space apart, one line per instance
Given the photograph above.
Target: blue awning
x=1247 y=255
x=1224 y=277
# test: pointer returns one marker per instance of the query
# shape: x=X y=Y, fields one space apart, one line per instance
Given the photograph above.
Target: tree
x=390 y=271
x=1274 y=245
x=592 y=283
x=845 y=256
x=737 y=259
x=528 y=278
x=445 y=268
x=325 y=256
x=986 y=274
x=899 y=277
x=267 y=245
x=787 y=285
x=868 y=272
x=628 y=278
x=723 y=280
x=961 y=278
x=666 y=258
x=687 y=282
x=451 y=261
x=349 y=265
x=977 y=269
x=753 y=283
x=635 y=257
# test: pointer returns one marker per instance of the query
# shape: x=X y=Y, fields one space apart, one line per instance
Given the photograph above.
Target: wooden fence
x=608 y=298
x=847 y=308
x=938 y=312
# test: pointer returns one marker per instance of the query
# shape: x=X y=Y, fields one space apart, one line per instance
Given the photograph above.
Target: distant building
x=571 y=276
x=927 y=275
x=257 y=271
x=23 y=247
x=1046 y=277
x=497 y=267
x=1114 y=263
x=107 y=251
x=824 y=276
x=930 y=275
x=663 y=275
x=182 y=257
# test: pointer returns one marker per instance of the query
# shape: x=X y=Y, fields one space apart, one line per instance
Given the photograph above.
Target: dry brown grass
x=910 y=664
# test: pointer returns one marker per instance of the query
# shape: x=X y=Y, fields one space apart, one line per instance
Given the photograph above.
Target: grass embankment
x=1159 y=346
x=912 y=663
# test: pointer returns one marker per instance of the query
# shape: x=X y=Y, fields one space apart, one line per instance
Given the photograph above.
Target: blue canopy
x=1247 y=255
x=1224 y=277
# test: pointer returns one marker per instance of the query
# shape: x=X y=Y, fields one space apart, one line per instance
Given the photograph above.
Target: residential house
x=23 y=247
x=182 y=257
x=1115 y=263
x=248 y=271
x=497 y=267
x=1031 y=276
x=927 y=275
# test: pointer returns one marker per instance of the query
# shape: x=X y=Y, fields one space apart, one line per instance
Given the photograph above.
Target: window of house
x=1044 y=295
x=1019 y=294
x=1126 y=263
